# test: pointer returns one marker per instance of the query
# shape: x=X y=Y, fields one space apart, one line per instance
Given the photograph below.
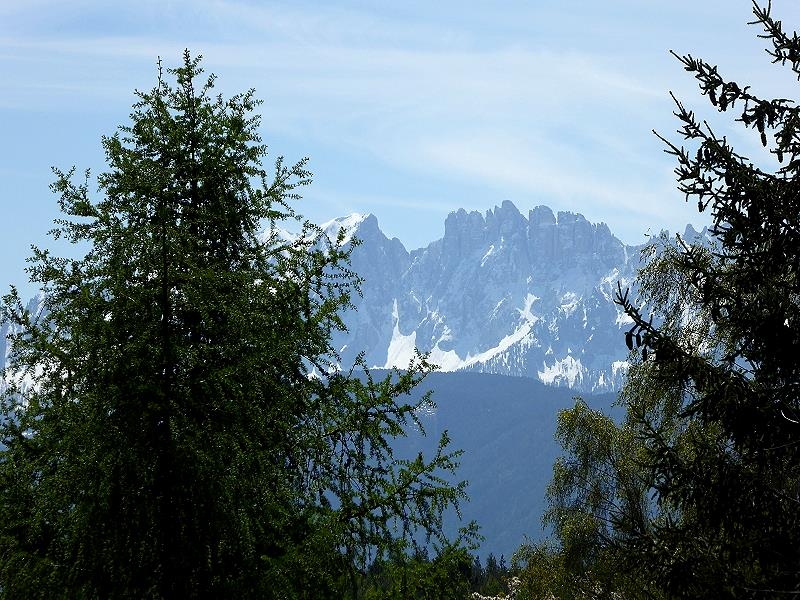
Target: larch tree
x=173 y=424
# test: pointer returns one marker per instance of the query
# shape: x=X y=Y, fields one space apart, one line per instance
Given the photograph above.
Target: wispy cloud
x=552 y=102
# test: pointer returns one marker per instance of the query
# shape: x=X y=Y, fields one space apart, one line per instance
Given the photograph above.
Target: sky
x=407 y=110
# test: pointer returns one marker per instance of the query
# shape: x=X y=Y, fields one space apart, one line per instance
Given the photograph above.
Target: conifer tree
x=173 y=425
x=696 y=493
x=717 y=387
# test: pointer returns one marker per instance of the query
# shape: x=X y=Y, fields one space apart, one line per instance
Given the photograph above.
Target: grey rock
x=499 y=293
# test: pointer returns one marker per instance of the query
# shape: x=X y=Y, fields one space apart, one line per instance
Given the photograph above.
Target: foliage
x=417 y=576
x=599 y=504
x=695 y=493
x=173 y=425
x=451 y=573
x=492 y=579
x=542 y=572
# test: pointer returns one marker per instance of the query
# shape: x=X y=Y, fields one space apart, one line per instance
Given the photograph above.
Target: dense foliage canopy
x=173 y=422
x=696 y=492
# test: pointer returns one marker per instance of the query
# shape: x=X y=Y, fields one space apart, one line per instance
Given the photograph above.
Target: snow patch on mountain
x=567 y=371
x=401 y=347
x=347 y=226
x=446 y=360
x=507 y=342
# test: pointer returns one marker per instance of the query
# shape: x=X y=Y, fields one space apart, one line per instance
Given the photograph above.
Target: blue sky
x=407 y=110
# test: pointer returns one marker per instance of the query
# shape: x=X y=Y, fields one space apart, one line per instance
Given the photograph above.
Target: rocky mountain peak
x=499 y=293
x=541 y=216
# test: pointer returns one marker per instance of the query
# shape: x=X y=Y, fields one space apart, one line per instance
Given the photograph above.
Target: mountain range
x=500 y=293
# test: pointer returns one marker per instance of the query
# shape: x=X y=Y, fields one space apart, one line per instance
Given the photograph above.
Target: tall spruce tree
x=696 y=494
x=172 y=426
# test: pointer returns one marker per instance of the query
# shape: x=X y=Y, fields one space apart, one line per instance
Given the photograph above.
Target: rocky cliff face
x=499 y=293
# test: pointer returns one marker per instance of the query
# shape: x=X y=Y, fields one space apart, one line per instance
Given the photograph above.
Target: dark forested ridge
x=506 y=428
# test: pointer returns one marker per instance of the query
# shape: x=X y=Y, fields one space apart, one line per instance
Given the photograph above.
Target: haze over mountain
x=500 y=293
